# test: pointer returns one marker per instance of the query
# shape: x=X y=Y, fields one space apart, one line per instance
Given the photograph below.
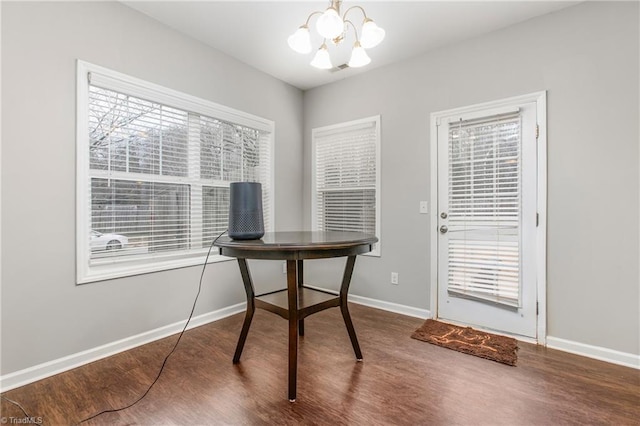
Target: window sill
x=123 y=269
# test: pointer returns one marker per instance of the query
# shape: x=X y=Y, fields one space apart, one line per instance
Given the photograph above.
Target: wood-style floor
x=402 y=381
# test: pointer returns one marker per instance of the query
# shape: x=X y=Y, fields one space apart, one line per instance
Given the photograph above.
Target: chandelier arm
x=354 y=7
x=311 y=15
x=355 y=30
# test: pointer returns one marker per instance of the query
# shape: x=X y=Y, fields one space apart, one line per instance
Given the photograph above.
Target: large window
x=154 y=167
x=346 y=177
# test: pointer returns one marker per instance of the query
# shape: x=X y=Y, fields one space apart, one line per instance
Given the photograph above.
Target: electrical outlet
x=394 y=278
x=284 y=267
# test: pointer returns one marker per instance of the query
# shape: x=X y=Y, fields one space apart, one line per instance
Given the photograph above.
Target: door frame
x=540 y=98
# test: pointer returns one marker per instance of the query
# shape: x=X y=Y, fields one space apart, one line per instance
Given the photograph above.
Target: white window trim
x=338 y=128
x=110 y=269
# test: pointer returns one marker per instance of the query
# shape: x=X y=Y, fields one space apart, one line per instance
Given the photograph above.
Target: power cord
x=193 y=308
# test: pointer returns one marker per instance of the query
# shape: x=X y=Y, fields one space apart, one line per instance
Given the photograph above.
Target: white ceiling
x=256 y=32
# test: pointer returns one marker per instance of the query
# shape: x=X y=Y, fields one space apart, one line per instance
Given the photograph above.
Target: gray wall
x=586 y=57
x=45 y=316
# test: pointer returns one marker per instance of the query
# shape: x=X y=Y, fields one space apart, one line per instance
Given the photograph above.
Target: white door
x=487 y=218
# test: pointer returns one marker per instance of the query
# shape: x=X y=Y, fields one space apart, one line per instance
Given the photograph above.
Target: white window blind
x=153 y=177
x=346 y=177
x=484 y=208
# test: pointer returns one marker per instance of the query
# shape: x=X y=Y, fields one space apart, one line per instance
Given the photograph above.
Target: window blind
x=157 y=176
x=484 y=208
x=346 y=177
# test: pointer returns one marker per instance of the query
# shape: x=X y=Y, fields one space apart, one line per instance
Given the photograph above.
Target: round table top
x=297 y=241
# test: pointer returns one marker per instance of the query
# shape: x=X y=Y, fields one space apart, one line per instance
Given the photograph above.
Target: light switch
x=424 y=207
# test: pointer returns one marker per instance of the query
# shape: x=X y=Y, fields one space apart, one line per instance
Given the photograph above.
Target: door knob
x=443 y=229
x=443 y=215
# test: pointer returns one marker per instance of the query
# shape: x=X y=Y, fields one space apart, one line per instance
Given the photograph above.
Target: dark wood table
x=297 y=301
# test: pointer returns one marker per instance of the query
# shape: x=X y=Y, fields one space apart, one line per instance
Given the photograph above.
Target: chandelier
x=331 y=26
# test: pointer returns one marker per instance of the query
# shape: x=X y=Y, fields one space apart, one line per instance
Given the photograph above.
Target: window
x=154 y=167
x=346 y=177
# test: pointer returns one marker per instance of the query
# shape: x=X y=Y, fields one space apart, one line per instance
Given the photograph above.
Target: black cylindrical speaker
x=245 y=211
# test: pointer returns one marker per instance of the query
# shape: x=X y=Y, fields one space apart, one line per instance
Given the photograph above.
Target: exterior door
x=487 y=218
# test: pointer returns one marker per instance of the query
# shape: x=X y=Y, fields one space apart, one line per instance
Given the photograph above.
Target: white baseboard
x=50 y=368
x=596 y=352
x=391 y=307
x=381 y=304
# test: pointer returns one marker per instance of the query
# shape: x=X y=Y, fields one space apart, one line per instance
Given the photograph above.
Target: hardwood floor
x=402 y=381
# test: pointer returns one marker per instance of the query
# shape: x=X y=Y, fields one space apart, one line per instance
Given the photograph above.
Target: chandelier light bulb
x=330 y=25
x=359 y=57
x=322 y=59
x=372 y=34
x=300 y=41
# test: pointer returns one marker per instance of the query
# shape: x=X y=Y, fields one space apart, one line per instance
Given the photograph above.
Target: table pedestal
x=295 y=303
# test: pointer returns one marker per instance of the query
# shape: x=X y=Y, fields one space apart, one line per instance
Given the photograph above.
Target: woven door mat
x=470 y=341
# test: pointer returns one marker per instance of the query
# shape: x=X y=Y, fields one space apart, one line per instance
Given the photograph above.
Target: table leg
x=344 y=291
x=300 y=282
x=292 y=292
x=251 y=308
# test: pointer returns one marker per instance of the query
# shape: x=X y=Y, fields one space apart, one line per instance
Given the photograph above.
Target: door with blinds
x=487 y=219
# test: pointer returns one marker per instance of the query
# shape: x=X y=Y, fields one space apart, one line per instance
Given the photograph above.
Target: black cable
x=34 y=420
x=193 y=308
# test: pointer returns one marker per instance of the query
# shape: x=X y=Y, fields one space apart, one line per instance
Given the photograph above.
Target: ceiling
x=256 y=32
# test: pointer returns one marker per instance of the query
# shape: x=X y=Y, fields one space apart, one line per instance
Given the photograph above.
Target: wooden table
x=297 y=301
